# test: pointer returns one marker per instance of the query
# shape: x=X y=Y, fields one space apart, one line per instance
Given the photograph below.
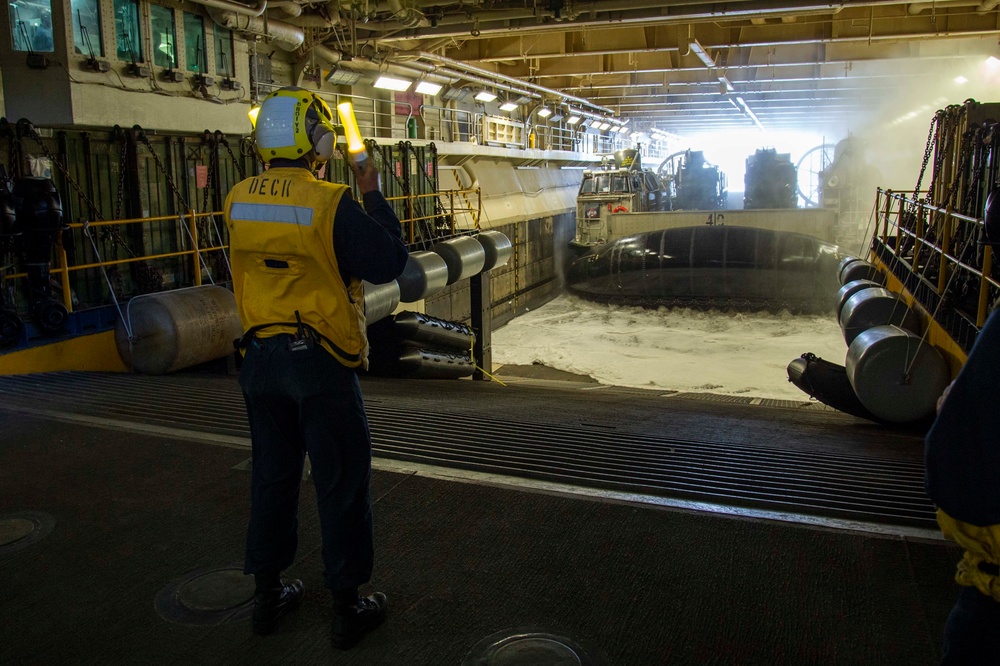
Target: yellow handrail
x=190 y=217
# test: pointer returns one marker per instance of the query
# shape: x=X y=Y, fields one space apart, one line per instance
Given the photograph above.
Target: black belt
x=989 y=568
x=244 y=341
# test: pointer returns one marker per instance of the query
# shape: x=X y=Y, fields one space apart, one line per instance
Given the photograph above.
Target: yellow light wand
x=355 y=144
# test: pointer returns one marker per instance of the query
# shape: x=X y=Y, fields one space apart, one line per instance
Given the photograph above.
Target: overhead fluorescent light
x=343 y=77
x=604 y=126
x=727 y=85
x=428 y=88
x=961 y=79
x=522 y=100
x=485 y=96
x=622 y=129
x=390 y=83
x=508 y=106
x=573 y=120
x=585 y=123
x=558 y=116
x=545 y=112
x=699 y=50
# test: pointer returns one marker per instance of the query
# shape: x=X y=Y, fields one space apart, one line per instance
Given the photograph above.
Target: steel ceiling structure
x=686 y=65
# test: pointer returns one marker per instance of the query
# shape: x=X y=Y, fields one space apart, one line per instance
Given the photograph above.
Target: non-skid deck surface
x=459 y=561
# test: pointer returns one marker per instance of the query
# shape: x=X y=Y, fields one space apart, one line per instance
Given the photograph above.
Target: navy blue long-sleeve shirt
x=962 y=448
x=368 y=241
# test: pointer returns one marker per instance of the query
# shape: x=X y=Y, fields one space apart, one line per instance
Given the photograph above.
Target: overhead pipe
x=286 y=36
x=235 y=7
x=699 y=10
x=494 y=76
x=287 y=7
x=334 y=57
x=408 y=16
x=419 y=70
x=915 y=8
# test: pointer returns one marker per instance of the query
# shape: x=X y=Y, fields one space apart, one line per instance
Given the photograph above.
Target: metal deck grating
x=853 y=487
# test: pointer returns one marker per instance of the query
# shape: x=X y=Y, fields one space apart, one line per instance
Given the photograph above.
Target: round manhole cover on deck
x=20 y=530
x=209 y=596
x=534 y=647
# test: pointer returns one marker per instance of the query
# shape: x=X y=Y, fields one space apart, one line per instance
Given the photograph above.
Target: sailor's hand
x=365 y=174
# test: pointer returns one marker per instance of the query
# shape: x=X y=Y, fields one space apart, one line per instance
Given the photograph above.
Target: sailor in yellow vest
x=300 y=248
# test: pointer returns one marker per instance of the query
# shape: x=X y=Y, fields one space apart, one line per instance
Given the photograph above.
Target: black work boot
x=355 y=616
x=272 y=604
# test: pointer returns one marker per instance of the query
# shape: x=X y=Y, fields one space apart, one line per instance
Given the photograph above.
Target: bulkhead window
x=223 y=52
x=31 y=26
x=164 y=32
x=194 y=43
x=87 y=28
x=127 y=31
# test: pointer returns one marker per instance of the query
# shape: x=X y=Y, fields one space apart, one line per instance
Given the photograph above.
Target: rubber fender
x=844 y=263
x=380 y=300
x=497 y=247
x=464 y=256
x=828 y=383
x=875 y=306
x=425 y=274
x=849 y=290
x=861 y=270
x=11 y=327
x=173 y=330
x=896 y=375
x=433 y=332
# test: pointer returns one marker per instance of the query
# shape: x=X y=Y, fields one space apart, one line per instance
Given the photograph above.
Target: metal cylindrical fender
x=498 y=248
x=897 y=377
x=426 y=274
x=173 y=330
x=861 y=270
x=380 y=300
x=849 y=290
x=464 y=256
x=875 y=306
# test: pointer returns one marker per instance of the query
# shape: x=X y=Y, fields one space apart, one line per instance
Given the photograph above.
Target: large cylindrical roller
x=844 y=263
x=497 y=247
x=849 y=290
x=426 y=274
x=897 y=377
x=861 y=270
x=173 y=330
x=380 y=300
x=875 y=306
x=464 y=255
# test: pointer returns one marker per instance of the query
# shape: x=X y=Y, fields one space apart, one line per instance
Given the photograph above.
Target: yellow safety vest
x=981 y=544
x=281 y=250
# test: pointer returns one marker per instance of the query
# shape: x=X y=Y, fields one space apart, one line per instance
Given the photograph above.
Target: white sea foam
x=679 y=349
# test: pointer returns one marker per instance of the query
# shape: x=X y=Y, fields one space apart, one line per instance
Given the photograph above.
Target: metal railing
x=939 y=257
x=456 y=212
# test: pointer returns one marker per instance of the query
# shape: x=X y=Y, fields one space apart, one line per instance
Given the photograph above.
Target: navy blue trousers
x=972 y=634
x=299 y=402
